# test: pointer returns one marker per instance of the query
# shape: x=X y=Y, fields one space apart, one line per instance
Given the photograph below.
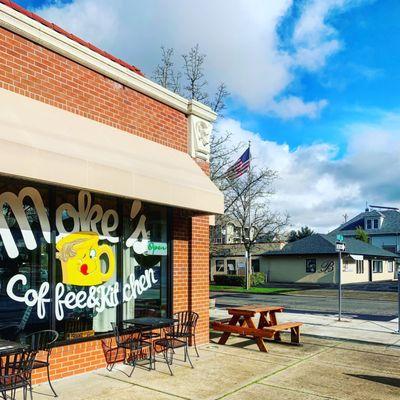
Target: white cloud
x=239 y=37
x=316 y=187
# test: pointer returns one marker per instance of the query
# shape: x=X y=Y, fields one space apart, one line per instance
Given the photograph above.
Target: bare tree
x=247 y=203
x=193 y=70
x=165 y=74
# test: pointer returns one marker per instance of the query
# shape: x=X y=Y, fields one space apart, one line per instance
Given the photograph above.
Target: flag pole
x=248 y=254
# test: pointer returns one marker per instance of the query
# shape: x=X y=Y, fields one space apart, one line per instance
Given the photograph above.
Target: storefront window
x=145 y=254
x=24 y=256
x=76 y=261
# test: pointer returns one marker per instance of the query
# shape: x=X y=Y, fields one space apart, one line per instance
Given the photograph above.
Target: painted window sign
x=85 y=241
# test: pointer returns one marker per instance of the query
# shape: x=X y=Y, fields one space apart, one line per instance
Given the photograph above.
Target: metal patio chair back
x=15 y=373
x=42 y=341
x=185 y=326
x=112 y=355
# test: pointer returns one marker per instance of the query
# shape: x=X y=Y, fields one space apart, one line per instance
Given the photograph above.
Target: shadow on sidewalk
x=380 y=379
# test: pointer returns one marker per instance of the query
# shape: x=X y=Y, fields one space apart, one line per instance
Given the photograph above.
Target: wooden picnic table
x=242 y=323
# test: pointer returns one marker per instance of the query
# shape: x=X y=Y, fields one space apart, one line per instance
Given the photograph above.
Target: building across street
x=314 y=259
x=382 y=224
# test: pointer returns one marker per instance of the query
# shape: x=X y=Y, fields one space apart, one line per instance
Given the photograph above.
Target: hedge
x=257 y=279
x=230 y=280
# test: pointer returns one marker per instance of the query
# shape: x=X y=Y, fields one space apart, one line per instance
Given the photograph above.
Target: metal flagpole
x=248 y=254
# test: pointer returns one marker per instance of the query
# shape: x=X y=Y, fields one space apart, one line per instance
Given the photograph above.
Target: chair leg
x=166 y=360
x=48 y=378
x=195 y=346
x=133 y=368
x=187 y=354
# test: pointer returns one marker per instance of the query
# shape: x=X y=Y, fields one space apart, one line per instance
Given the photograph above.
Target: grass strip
x=257 y=290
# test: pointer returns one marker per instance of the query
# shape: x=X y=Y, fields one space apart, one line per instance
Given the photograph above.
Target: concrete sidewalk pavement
x=328 y=326
x=319 y=369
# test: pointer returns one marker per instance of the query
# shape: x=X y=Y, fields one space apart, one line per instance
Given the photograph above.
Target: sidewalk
x=320 y=369
x=327 y=326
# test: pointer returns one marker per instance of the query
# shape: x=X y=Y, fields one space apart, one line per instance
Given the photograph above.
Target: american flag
x=240 y=167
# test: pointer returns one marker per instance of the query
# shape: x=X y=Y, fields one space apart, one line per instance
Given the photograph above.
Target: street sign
x=340 y=246
x=339 y=238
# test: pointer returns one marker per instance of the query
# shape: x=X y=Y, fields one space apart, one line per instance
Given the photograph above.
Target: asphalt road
x=369 y=309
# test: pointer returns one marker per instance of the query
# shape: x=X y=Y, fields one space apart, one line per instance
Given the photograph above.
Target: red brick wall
x=31 y=70
x=36 y=72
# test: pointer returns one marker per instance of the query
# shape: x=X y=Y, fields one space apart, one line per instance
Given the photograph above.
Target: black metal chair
x=132 y=339
x=173 y=339
x=185 y=328
x=15 y=373
x=42 y=341
x=112 y=355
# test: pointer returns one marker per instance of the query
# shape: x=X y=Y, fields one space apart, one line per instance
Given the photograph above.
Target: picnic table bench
x=242 y=323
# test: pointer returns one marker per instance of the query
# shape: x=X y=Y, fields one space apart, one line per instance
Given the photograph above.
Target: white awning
x=356 y=257
x=45 y=143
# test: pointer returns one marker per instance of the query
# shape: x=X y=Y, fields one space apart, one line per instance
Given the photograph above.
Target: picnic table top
x=254 y=309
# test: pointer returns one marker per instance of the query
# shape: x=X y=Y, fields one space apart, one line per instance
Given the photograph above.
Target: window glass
x=145 y=259
x=377 y=266
x=231 y=266
x=359 y=266
x=311 y=265
x=76 y=261
x=24 y=257
x=375 y=224
x=255 y=263
x=390 y=266
x=368 y=224
x=86 y=260
x=219 y=265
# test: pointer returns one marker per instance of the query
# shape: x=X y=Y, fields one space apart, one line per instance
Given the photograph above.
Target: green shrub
x=257 y=279
x=229 y=280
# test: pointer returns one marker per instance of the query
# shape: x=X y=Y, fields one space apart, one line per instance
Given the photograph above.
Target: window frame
x=228 y=271
x=379 y=269
x=308 y=263
x=390 y=267
x=359 y=266
x=223 y=265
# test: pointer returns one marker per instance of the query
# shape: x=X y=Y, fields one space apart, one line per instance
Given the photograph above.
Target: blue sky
x=315 y=85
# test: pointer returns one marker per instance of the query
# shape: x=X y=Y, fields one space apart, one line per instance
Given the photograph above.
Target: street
x=373 y=306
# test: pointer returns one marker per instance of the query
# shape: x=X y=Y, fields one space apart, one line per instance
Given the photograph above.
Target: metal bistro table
x=151 y=323
x=9 y=347
x=147 y=326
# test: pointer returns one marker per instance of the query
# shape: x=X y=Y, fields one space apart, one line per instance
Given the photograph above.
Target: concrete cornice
x=22 y=25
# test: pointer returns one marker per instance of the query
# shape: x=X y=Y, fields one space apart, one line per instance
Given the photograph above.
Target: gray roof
x=390 y=223
x=325 y=244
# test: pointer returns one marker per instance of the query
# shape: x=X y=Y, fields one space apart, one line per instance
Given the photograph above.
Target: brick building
x=104 y=193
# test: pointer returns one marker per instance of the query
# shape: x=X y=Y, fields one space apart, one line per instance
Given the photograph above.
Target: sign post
x=340 y=246
x=398 y=292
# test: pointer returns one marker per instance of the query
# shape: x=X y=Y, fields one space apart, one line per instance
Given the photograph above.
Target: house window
x=311 y=265
x=375 y=224
x=255 y=264
x=231 y=267
x=369 y=224
x=219 y=266
x=390 y=266
x=359 y=266
x=377 y=266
